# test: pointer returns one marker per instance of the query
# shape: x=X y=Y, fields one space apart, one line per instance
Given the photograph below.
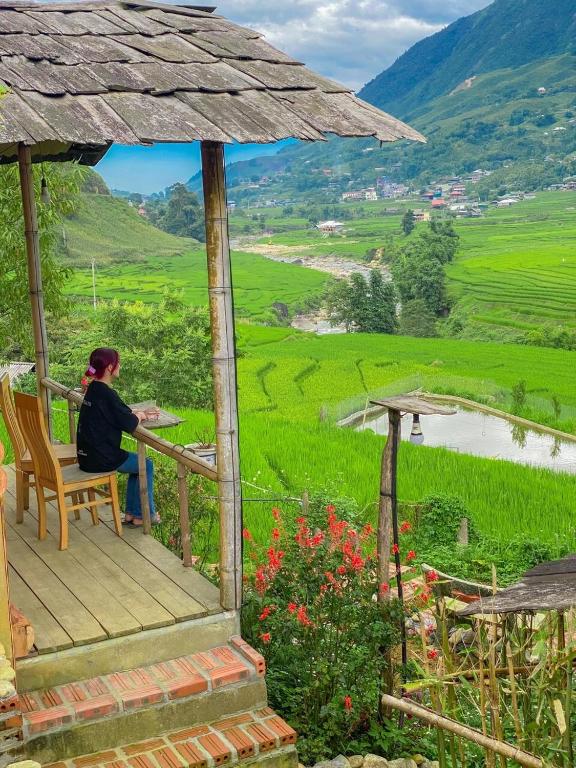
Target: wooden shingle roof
x=549 y=586
x=78 y=76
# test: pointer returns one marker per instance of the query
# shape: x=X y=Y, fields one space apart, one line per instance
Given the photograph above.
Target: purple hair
x=100 y=359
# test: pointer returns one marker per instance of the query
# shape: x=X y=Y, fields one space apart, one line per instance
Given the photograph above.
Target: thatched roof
x=81 y=75
x=547 y=587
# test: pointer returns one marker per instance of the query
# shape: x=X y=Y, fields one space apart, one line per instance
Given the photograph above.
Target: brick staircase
x=257 y=736
x=203 y=710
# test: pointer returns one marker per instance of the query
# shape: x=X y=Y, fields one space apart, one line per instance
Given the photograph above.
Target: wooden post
x=184 y=518
x=224 y=374
x=72 y=421
x=387 y=513
x=35 y=278
x=143 y=488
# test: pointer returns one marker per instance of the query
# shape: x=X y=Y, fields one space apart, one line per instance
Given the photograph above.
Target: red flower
x=300 y=520
x=276 y=513
x=330 y=508
x=431 y=576
x=341 y=569
x=275 y=534
x=384 y=588
x=395 y=549
x=432 y=654
x=367 y=531
x=302 y=616
x=246 y=534
x=292 y=607
x=357 y=562
x=265 y=637
x=405 y=527
x=265 y=613
x=410 y=556
x=348 y=703
x=323 y=587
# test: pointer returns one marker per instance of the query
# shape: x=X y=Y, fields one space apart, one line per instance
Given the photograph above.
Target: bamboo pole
x=177 y=452
x=471 y=734
x=35 y=278
x=224 y=374
x=567 y=735
x=514 y=694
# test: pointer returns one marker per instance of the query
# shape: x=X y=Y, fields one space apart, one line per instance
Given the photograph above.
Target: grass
x=137 y=262
x=109 y=230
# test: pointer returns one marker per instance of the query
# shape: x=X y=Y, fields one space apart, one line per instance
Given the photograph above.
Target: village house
x=329 y=227
x=421 y=215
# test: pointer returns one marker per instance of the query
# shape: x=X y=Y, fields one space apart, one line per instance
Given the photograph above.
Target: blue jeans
x=130 y=467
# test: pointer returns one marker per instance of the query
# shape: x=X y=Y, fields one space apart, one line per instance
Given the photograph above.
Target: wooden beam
x=35 y=277
x=224 y=374
x=497 y=746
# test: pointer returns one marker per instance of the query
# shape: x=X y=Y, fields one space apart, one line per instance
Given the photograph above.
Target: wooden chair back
x=12 y=426
x=33 y=426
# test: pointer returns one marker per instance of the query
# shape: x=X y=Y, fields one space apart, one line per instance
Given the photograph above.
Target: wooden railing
x=187 y=461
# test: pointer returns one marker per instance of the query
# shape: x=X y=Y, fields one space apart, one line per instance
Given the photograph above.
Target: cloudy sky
x=348 y=40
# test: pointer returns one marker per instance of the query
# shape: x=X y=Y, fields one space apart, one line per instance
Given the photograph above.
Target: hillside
x=473 y=91
x=135 y=261
x=111 y=231
x=506 y=34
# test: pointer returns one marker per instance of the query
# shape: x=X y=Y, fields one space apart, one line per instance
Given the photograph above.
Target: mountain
x=505 y=35
x=496 y=90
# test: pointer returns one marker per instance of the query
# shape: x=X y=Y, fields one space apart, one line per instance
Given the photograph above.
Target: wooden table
x=165 y=419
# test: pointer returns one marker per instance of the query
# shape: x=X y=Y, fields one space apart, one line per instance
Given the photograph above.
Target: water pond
x=481 y=434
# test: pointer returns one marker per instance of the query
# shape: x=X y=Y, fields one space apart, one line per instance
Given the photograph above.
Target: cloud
x=348 y=40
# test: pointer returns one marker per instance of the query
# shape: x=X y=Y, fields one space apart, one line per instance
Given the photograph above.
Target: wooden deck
x=103 y=586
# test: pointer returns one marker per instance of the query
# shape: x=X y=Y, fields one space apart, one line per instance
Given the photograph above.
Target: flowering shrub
x=311 y=610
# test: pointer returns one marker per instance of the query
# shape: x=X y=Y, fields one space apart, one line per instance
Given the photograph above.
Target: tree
x=365 y=306
x=381 y=315
x=164 y=348
x=64 y=181
x=417 y=320
x=182 y=215
x=416 y=276
x=408 y=222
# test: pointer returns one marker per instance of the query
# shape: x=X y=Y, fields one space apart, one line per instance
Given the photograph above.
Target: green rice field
x=519 y=263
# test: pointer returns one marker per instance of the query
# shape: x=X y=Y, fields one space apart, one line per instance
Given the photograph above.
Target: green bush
x=310 y=608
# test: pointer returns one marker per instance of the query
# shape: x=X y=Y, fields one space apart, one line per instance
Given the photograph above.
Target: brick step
x=100 y=712
x=257 y=736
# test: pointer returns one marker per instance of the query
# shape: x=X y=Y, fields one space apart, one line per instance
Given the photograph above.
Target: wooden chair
x=66 y=454
x=63 y=481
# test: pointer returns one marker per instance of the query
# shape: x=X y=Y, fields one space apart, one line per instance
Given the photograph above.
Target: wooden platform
x=103 y=586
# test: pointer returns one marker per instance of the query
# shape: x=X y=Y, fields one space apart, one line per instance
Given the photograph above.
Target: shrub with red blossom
x=310 y=608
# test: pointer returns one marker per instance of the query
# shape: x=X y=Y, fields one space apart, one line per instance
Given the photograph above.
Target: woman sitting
x=103 y=418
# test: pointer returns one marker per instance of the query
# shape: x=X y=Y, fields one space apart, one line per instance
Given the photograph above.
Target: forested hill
x=494 y=90
x=506 y=34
